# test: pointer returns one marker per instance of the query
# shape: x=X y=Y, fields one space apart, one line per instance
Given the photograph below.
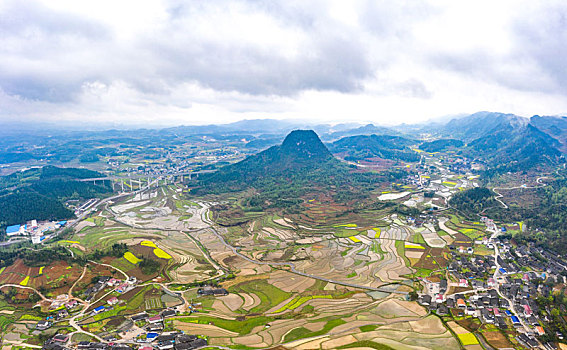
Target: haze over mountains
x=498 y=138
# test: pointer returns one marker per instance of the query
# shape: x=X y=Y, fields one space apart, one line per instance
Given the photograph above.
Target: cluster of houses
x=57 y=342
x=499 y=291
x=153 y=324
x=34 y=229
x=61 y=306
x=119 y=286
x=175 y=341
x=211 y=291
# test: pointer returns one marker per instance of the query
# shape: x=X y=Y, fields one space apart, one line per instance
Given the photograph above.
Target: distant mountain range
x=507 y=141
x=503 y=140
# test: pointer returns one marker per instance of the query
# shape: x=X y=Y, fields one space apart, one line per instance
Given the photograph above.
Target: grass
x=400 y=249
x=115 y=311
x=341 y=232
x=298 y=301
x=241 y=327
x=269 y=295
x=302 y=332
x=352 y=274
x=368 y=328
x=482 y=250
x=418 y=238
x=467 y=339
x=421 y=272
x=122 y=264
x=137 y=300
x=78 y=337
x=5 y=322
x=101 y=238
x=366 y=344
x=471 y=233
x=27 y=317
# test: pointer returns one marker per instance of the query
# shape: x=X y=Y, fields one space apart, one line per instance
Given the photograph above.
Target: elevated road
x=138 y=177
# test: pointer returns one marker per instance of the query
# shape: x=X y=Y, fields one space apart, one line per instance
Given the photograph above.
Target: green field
x=302 y=332
x=269 y=295
x=154 y=303
x=298 y=301
x=241 y=327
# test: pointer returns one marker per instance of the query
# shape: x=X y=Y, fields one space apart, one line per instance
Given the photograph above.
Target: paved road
x=146 y=176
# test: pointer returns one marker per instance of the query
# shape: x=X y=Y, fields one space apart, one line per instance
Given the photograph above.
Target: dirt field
x=497 y=339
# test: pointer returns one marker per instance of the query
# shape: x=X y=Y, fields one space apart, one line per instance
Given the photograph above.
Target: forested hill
x=361 y=147
x=284 y=174
x=39 y=193
x=301 y=153
x=440 y=145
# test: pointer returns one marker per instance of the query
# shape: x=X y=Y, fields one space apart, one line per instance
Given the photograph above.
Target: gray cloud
x=248 y=55
x=542 y=38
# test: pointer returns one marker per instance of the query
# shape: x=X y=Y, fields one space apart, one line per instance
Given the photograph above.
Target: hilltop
x=287 y=176
x=300 y=154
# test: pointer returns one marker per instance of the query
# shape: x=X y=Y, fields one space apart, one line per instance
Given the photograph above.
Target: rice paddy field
x=303 y=281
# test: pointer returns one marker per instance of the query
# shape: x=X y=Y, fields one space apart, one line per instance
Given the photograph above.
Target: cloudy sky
x=195 y=62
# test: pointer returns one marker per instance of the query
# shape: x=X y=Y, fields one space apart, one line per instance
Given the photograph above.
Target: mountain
x=554 y=126
x=288 y=176
x=301 y=150
x=480 y=124
x=368 y=129
x=506 y=142
x=362 y=147
x=516 y=148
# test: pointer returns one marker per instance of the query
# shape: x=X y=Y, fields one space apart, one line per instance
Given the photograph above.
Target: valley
x=293 y=248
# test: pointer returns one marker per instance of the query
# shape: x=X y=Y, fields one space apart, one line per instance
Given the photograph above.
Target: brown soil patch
x=497 y=339
x=469 y=324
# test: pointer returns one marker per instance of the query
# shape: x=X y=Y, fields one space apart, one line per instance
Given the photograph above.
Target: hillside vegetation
x=39 y=193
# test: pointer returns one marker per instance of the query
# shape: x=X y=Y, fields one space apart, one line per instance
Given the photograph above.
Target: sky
x=161 y=63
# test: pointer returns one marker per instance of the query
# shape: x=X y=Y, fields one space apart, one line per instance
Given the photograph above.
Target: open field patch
x=131 y=258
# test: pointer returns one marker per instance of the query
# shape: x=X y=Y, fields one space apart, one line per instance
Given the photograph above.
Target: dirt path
x=77 y=281
x=24 y=287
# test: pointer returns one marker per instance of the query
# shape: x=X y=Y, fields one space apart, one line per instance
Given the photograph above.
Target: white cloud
x=172 y=62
